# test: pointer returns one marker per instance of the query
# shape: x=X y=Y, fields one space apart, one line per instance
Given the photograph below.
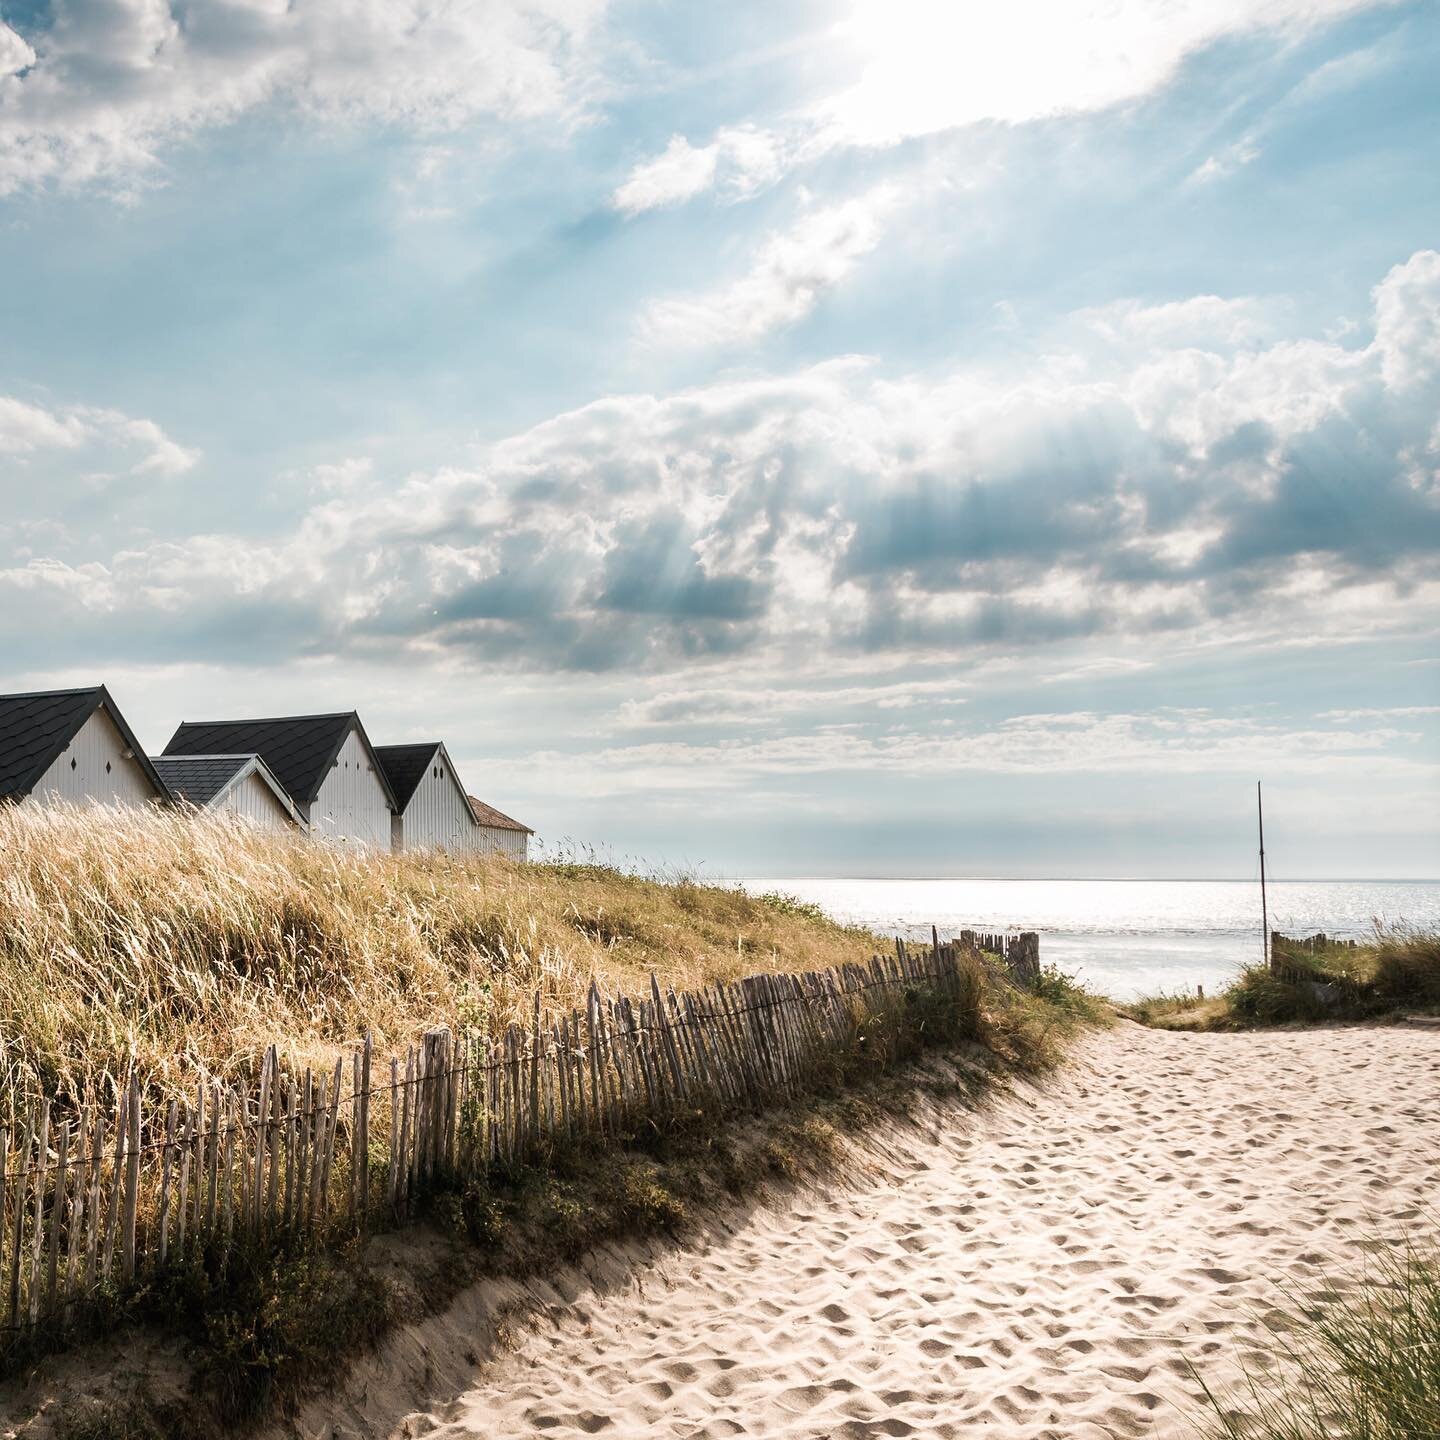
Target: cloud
x=916 y=68
x=1169 y=742
x=725 y=705
x=1202 y=321
x=790 y=271
x=15 y=54
x=105 y=438
x=682 y=171
x=1255 y=494
x=103 y=89
x=1392 y=712
x=741 y=159
x=1219 y=167
x=1407 y=321
x=928 y=68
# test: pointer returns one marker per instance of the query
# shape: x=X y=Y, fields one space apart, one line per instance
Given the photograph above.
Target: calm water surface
x=1125 y=937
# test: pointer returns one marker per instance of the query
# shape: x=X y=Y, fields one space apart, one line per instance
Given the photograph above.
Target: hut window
x=73 y=762
x=107 y=767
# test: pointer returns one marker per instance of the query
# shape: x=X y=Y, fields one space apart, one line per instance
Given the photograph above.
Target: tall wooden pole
x=1264 y=908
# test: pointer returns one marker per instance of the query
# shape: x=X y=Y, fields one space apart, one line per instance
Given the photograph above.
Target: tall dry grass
x=189 y=943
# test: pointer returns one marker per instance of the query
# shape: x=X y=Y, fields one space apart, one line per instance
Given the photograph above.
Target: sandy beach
x=1043 y=1267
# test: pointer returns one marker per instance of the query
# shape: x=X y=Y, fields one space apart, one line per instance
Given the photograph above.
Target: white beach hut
x=325 y=763
x=72 y=746
x=431 y=808
x=499 y=832
x=240 y=785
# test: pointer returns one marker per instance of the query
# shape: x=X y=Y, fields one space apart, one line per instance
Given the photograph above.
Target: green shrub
x=792 y=905
x=1270 y=997
x=1056 y=987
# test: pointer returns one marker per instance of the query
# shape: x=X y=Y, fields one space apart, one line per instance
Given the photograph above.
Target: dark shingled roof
x=198 y=778
x=36 y=727
x=405 y=766
x=299 y=749
x=488 y=815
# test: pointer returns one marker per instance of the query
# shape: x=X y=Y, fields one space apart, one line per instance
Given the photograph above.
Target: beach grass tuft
x=1358 y=1362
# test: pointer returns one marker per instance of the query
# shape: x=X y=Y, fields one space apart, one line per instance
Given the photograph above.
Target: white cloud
x=915 y=68
x=342 y=477
x=741 y=160
x=930 y=67
x=108 y=438
x=111 y=86
x=679 y=173
x=1219 y=167
x=1407 y=320
x=1171 y=743
x=790 y=272
x=761 y=704
x=1393 y=712
x=15 y=54
x=1202 y=320
x=26 y=428
x=1252 y=496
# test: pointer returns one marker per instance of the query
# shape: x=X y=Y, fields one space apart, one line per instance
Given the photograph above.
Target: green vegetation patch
x=1398 y=971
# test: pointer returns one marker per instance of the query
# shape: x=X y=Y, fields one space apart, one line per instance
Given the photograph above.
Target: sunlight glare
x=927 y=65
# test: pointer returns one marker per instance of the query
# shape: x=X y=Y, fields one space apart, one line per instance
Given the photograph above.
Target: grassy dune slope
x=192 y=943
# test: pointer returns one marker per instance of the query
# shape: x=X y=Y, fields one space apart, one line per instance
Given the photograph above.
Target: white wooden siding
x=97 y=745
x=494 y=839
x=351 y=804
x=439 y=815
x=256 y=801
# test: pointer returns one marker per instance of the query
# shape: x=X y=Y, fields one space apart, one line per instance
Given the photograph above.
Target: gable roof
x=202 y=780
x=36 y=727
x=299 y=749
x=198 y=779
x=489 y=816
x=405 y=767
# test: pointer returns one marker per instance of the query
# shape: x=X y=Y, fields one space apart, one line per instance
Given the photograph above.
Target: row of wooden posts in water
x=94 y=1198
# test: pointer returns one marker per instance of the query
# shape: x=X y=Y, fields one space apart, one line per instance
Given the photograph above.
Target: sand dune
x=1043 y=1268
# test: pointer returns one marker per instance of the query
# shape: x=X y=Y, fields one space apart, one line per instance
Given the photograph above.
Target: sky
x=869 y=437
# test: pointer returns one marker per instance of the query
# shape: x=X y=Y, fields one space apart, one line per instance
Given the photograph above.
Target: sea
x=1125 y=938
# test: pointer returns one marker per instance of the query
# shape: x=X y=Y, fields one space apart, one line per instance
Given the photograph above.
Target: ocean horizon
x=1123 y=937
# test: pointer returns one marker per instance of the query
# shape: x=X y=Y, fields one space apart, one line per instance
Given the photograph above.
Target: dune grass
x=1362 y=1365
x=190 y=944
x=1398 y=970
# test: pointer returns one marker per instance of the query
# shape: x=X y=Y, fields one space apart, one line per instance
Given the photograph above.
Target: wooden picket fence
x=107 y=1193
x=1019 y=952
x=1309 y=944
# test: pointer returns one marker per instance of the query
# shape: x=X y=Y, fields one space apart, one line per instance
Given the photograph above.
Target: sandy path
x=1038 y=1270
